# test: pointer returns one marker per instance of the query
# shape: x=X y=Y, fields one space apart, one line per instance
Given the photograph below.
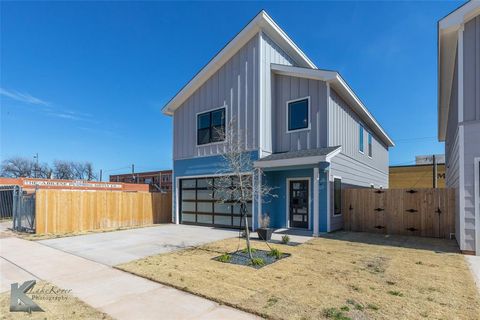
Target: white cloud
x=23 y=97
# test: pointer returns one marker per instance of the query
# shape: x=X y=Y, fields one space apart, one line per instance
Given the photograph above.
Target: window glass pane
x=370 y=145
x=188 y=217
x=203 y=136
x=204 y=183
x=203 y=218
x=188 y=194
x=223 y=208
x=218 y=117
x=337 y=187
x=204 y=194
x=218 y=133
x=360 y=139
x=223 y=220
x=203 y=121
x=204 y=207
x=188 y=183
x=298 y=115
x=188 y=206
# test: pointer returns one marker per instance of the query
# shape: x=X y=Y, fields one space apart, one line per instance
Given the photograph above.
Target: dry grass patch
x=69 y=308
x=342 y=276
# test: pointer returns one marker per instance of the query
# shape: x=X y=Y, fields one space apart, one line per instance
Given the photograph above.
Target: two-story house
x=459 y=116
x=305 y=127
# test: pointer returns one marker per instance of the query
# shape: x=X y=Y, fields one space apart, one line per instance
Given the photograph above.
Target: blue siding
x=277 y=207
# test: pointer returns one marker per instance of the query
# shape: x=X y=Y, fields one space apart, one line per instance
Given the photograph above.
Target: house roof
x=447 y=47
x=341 y=87
x=261 y=22
x=299 y=157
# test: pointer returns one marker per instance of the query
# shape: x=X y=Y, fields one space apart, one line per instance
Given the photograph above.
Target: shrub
x=333 y=313
x=275 y=253
x=252 y=250
x=225 y=258
x=257 y=262
x=285 y=239
x=395 y=293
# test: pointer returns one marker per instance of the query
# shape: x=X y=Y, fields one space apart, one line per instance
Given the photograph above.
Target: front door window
x=298 y=203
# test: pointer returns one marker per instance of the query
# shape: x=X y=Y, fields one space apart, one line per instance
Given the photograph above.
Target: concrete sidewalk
x=119 y=294
x=474 y=263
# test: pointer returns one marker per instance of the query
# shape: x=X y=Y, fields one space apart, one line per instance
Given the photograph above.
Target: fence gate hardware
x=411 y=191
x=412 y=229
x=350 y=208
x=379 y=209
x=379 y=227
x=379 y=191
x=438 y=211
x=411 y=210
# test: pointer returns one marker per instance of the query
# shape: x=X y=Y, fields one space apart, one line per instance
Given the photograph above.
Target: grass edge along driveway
x=344 y=275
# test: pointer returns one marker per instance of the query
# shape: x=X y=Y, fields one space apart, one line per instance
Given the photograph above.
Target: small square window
x=211 y=126
x=298 y=115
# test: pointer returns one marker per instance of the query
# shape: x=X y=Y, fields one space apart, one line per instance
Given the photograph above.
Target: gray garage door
x=200 y=205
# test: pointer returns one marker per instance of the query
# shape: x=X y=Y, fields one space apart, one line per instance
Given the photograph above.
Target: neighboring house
x=427 y=172
x=305 y=128
x=158 y=181
x=459 y=115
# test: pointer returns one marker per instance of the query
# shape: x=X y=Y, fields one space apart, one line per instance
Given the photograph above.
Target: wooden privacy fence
x=64 y=211
x=418 y=212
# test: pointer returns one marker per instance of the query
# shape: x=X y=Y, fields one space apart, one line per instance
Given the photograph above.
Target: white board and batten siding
x=287 y=88
x=235 y=86
x=354 y=167
x=271 y=53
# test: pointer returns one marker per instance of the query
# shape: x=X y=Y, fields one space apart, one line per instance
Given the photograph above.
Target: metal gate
x=6 y=201
x=23 y=211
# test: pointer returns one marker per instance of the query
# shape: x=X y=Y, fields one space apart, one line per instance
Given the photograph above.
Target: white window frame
x=196 y=126
x=287 y=205
x=333 y=191
x=309 y=114
x=360 y=126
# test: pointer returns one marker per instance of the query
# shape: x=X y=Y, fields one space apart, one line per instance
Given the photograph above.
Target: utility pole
x=101 y=171
x=434 y=171
x=36 y=164
x=133 y=173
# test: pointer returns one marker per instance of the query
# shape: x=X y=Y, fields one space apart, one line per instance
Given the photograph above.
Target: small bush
x=257 y=262
x=275 y=253
x=225 y=258
x=372 y=306
x=395 y=293
x=252 y=250
x=345 y=308
x=333 y=313
x=285 y=239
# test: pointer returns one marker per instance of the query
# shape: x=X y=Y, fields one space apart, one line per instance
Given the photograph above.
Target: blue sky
x=85 y=81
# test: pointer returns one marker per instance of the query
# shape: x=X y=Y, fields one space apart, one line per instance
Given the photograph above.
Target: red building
x=158 y=181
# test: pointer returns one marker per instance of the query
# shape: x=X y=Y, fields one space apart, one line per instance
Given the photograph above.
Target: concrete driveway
x=113 y=248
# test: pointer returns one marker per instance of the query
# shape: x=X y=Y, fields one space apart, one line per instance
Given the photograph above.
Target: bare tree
x=43 y=171
x=17 y=167
x=63 y=170
x=236 y=183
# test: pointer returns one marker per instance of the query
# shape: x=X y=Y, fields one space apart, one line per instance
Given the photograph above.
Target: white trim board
x=287 y=205
x=299 y=161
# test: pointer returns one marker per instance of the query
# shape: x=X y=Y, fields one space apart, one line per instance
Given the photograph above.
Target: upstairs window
x=370 y=151
x=211 y=126
x=361 y=147
x=298 y=114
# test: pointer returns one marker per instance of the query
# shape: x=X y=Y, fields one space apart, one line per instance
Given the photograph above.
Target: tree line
x=19 y=167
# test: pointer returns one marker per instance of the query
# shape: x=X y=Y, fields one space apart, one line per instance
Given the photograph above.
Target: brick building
x=157 y=180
